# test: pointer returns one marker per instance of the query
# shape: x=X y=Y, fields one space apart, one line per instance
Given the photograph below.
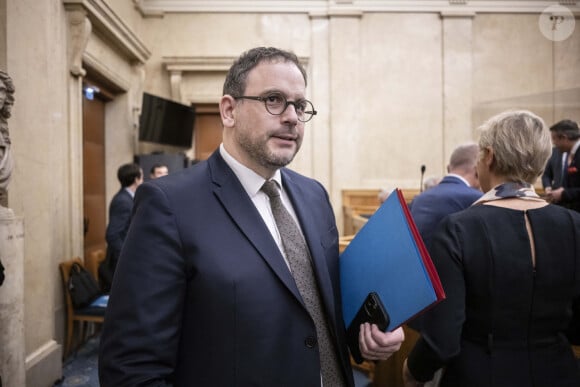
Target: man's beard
x=258 y=150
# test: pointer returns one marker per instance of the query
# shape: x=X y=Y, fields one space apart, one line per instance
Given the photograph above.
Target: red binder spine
x=427 y=262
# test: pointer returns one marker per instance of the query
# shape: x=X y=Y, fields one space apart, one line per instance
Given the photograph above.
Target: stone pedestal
x=12 y=369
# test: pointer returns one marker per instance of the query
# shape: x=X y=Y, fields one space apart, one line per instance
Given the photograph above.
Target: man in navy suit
x=566 y=137
x=203 y=295
x=130 y=176
x=455 y=192
x=554 y=172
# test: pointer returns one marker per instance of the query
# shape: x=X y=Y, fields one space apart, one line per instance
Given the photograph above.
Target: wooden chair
x=357 y=202
x=358 y=221
x=343 y=242
x=83 y=316
x=93 y=260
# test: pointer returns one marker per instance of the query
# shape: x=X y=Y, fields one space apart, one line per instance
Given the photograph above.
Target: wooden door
x=94 y=201
x=207 y=130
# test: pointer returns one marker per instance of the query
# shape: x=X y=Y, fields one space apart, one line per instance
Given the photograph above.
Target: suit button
x=310 y=342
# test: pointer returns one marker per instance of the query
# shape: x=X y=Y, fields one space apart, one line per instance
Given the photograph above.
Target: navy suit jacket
x=119 y=219
x=430 y=207
x=571 y=193
x=553 y=173
x=202 y=295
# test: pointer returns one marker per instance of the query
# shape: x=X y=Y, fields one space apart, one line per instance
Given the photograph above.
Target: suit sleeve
x=573 y=332
x=442 y=326
x=571 y=193
x=139 y=342
x=548 y=174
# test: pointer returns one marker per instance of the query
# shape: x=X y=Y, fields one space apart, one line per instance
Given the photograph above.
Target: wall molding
x=158 y=8
x=44 y=365
x=178 y=66
x=106 y=23
x=111 y=79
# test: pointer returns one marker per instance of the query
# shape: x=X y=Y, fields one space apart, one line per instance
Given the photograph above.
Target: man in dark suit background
x=203 y=294
x=554 y=172
x=455 y=192
x=158 y=170
x=566 y=137
x=130 y=176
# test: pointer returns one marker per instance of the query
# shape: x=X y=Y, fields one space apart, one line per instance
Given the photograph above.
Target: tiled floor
x=80 y=369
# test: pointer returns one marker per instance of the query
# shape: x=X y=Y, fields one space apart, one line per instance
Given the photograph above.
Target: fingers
x=377 y=345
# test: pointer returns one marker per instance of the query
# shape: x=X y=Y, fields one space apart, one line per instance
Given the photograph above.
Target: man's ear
x=227 y=111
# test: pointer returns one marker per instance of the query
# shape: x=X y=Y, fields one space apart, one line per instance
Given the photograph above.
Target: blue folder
x=388 y=256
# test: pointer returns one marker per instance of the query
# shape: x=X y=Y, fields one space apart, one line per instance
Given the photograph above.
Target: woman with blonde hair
x=510 y=266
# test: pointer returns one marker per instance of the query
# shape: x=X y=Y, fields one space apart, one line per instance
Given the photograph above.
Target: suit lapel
x=229 y=191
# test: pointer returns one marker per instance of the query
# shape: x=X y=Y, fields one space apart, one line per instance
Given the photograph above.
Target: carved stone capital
x=78 y=36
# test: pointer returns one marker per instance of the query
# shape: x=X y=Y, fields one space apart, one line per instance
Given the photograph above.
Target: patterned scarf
x=510 y=189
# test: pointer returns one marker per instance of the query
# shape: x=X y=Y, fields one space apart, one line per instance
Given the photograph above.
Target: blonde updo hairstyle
x=521 y=145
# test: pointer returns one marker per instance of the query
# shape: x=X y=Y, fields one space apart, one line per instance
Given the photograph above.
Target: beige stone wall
x=381 y=79
x=38 y=128
x=516 y=67
x=46 y=133
x=395 y=89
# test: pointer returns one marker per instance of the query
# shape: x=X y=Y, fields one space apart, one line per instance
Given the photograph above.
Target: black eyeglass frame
x=264 y=99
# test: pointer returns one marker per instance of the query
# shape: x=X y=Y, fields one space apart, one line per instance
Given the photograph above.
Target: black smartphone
x=373 y=311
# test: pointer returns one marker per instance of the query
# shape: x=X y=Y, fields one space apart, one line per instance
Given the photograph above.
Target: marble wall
x=39 y=190
x=394 y=90
x=397 y=85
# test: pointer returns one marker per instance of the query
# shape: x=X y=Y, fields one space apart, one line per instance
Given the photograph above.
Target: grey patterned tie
x=298 y=257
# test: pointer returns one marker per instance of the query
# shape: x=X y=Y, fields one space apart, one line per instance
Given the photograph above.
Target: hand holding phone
x=372 y=311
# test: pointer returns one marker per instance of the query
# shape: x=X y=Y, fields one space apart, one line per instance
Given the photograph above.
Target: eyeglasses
x=276 y=104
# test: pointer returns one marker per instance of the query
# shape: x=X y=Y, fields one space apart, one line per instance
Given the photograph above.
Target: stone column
x=12 y=369
x=345 y=96
x=321 y=138
x=457 y=80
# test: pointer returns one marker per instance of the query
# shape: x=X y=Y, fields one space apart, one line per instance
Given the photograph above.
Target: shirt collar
x=130 y=192
x=460 y=178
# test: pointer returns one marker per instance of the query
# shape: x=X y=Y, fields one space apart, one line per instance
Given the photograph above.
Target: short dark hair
x=235 y=83
x=155 y=166
x=127 y=173
x=566 y=128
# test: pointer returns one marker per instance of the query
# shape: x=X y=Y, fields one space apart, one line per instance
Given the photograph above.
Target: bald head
x=463 y=162
x=464 y=156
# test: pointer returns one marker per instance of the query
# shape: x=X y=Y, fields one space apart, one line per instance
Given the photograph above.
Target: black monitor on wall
x=166 y=122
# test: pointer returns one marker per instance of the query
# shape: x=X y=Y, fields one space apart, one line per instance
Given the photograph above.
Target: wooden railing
x=363 y=202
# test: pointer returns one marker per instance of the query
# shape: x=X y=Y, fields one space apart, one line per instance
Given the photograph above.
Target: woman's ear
x=227 y=110
x=488 y=156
